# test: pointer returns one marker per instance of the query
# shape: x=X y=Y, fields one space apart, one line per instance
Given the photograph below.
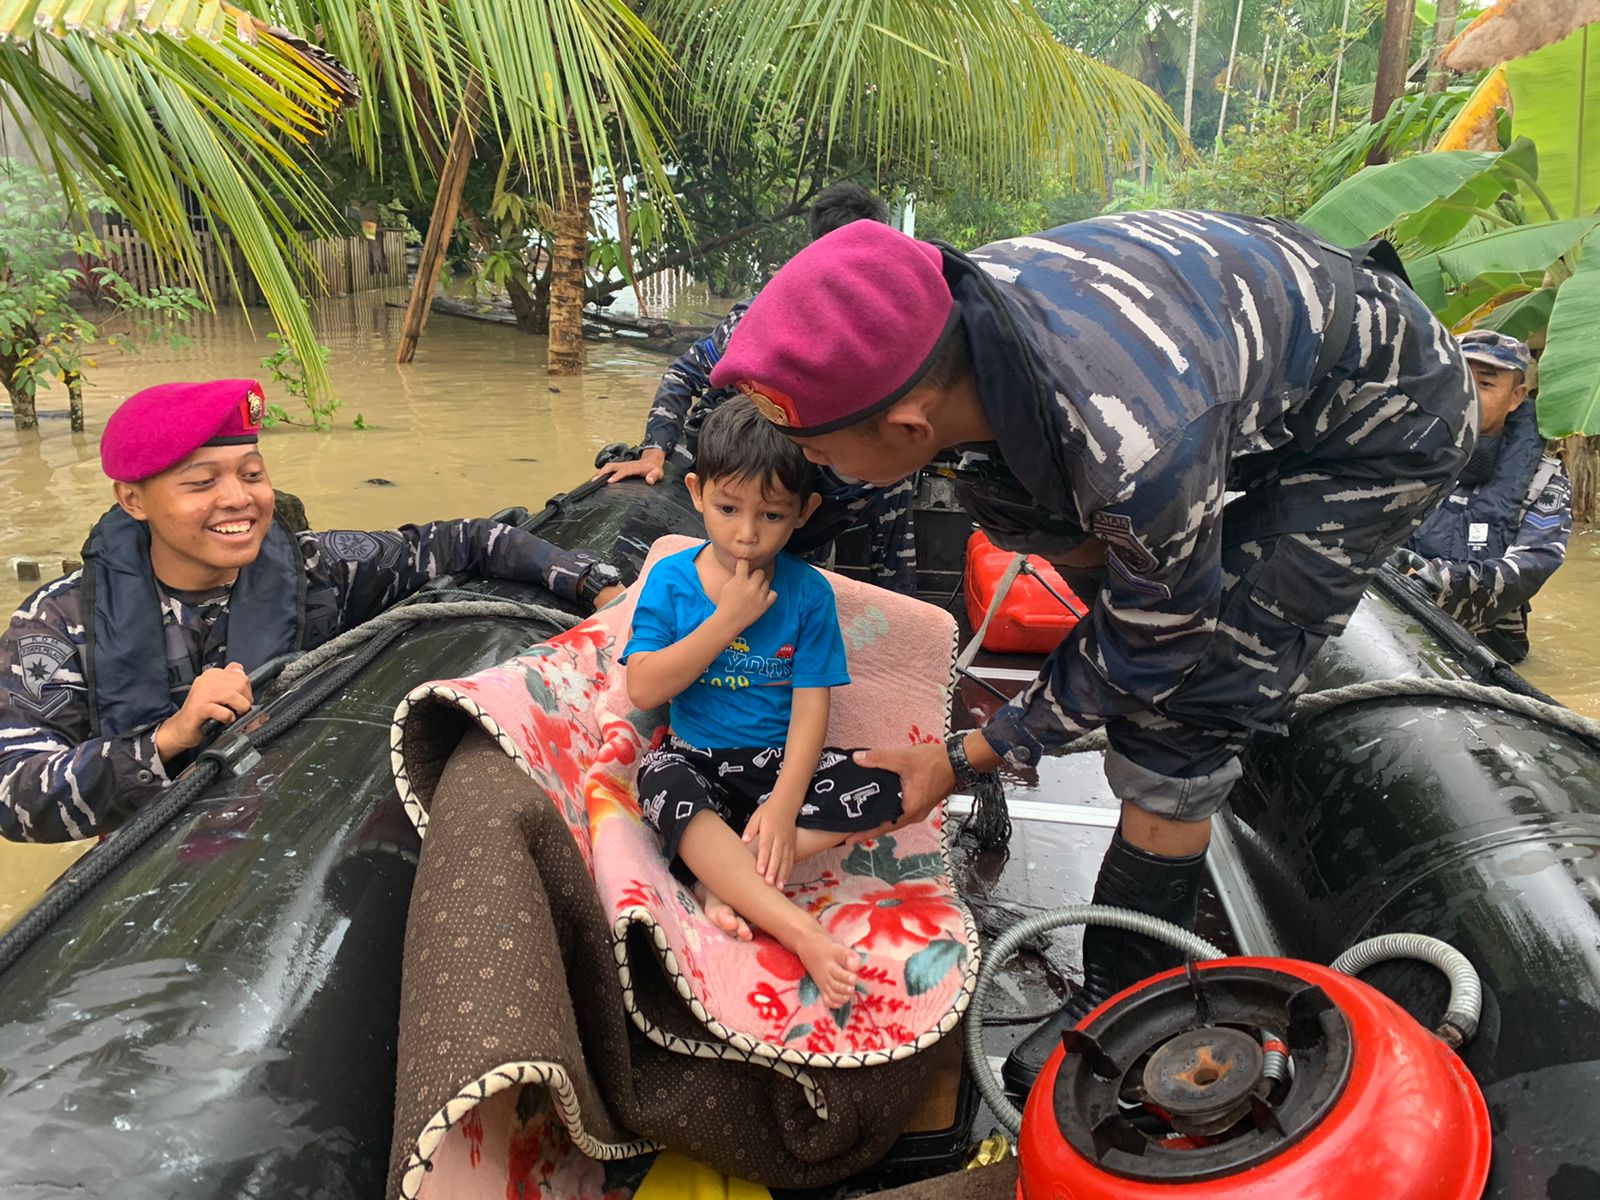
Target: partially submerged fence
x=345 y=265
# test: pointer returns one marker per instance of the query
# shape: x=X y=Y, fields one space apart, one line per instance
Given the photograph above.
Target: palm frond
x=153 y=102
x=557 y=78
x=979 y=83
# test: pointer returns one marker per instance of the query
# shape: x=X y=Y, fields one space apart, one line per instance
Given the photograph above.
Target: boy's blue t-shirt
x=745 y=696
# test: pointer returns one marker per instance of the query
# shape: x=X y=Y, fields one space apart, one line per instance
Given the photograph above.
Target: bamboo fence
x=342 y=265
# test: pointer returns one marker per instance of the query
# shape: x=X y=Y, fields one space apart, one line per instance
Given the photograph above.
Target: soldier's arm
x=1156 y=612
x=1478 y=593
x=684 y=382
x=57 y=784
x=371 y=571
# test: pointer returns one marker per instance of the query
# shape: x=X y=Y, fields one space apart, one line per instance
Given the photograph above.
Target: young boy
x=109 y=676
x=744 y=641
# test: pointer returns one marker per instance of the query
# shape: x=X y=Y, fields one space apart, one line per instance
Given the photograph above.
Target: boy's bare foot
x=831 y=966
x=721 y=914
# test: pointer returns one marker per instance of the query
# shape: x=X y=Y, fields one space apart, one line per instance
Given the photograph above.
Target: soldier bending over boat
x=1121 y=377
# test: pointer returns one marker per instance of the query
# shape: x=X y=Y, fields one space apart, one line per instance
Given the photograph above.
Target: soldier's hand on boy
x=217 y=694
x=771 y=828
x=745 y=597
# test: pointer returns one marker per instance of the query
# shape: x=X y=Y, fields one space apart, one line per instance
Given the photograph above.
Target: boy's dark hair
x=841 y=204
x=737 y=442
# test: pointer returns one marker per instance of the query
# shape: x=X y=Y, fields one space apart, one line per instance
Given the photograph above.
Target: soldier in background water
x=1123 y=376
x=108 y=675
x=686 y=396
x=1487 y=550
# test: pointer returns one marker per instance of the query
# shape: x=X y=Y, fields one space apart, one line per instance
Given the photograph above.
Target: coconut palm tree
x=582 y=85
x=165 y=103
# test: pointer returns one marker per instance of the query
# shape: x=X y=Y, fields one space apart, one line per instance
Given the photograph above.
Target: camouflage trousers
x=1301 y=540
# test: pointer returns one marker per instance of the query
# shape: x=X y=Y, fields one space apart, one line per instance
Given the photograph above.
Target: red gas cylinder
x=1030 y=619
x=1161 y=1093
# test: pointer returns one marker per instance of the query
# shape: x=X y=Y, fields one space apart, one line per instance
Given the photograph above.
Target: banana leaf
x=1569 y=372
x=1525 y=248
x=1435 y=226
x=1491 y=288
x=1373 y=199
x=1523 y=317
x=1556 y=102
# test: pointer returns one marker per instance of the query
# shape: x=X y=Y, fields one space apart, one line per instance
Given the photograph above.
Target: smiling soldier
x=108 y=675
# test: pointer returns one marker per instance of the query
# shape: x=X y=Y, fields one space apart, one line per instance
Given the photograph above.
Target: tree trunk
x=1582 y=458
x=452 y=179
x=1338 y=69
x=1444 y=29
x=1394 y=60
x=23 y=413
x=1188 y=79
x=568 y=262
x=521 y=297
x=1227 y=80
x=1261 y=80
x=74 y=382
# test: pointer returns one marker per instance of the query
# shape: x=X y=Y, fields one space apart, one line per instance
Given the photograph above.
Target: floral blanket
x=562 y=714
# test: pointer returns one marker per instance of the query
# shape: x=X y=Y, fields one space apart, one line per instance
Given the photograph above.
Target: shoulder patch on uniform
x=1551 y=500
x=1116 y=530
x=352 y=545
x=39 y=657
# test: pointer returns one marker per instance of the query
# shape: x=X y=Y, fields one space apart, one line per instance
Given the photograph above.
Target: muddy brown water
x=472 y=426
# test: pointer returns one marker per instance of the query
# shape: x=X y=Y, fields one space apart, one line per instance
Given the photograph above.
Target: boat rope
x=233 y=750
x=1315 y=704
x=420 y=610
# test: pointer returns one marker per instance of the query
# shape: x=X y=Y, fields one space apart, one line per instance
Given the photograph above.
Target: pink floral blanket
x=561 y=711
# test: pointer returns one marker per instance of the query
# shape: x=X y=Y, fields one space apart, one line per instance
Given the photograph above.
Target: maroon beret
x=845 y=328
x=161 y=426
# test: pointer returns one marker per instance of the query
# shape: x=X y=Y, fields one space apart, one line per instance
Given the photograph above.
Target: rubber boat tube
x=1471 y=824
x=217 y=1017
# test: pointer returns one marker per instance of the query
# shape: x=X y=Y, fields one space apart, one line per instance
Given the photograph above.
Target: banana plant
x=1481 y=255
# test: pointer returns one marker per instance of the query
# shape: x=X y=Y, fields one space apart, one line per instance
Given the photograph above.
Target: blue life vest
x=125 y=649
x=1495 y=506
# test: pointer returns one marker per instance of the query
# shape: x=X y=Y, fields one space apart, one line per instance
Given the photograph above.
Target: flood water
x=472 y=426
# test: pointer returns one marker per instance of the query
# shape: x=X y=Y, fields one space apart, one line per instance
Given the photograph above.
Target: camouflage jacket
x=59 y=782
x=1135 y=369
x=1485 y=591
x=675 y=415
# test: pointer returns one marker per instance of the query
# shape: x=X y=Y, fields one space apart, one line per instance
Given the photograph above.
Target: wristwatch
x=597 y=579
x=955 y=747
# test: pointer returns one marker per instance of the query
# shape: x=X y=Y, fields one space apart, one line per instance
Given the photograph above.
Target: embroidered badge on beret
x=771 y=403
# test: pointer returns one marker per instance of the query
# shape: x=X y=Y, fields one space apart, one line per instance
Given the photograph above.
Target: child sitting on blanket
x=744 y=641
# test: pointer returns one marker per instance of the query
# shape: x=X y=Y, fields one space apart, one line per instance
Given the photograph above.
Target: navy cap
x=1496 y=349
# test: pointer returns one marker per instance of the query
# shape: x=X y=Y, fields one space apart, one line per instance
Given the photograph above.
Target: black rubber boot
x=1168 y=888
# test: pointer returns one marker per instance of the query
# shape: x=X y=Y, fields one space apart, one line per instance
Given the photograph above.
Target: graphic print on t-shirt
x=738 y=667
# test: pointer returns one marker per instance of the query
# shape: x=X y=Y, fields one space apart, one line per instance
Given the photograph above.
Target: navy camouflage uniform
x=1497 y=539
x=681 y=405
x=59 y=782
x=1156 y=381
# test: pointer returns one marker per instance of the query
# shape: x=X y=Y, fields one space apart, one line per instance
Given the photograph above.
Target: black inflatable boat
x=206 y=1005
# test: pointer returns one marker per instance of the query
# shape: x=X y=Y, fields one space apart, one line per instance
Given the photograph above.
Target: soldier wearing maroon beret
x=108 y=675
x=1111 y=384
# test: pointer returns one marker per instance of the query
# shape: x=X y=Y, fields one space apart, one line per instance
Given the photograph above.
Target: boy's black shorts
x=677 y=780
